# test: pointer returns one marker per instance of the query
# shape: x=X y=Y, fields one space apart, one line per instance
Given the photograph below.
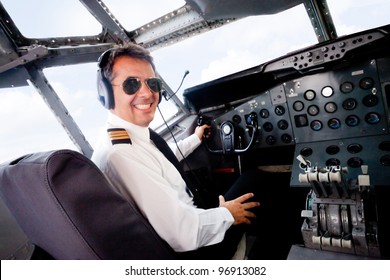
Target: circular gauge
x=346 y=87
x=279 y=110
x=264 y=113
x=370 y=100
x=332 y=150
x=306 y=151
x=372 y=118
x=332 y=162
x=313 y=110
x=310 y=95
x=271 y=140
x=330 y=107
x=286 y=138
x=355 y=162
x=282 y=124
x=316 y=125
x=349 y=104
x=352 y=120
x=268 y=127
x=366 y=83
x=298 y=106
x=327 y=91
x=236 y=119
x=334 y=123
x=354 y=148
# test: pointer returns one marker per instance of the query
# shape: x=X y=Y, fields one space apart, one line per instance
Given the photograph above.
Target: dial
x=310 y=95
x=327 y=91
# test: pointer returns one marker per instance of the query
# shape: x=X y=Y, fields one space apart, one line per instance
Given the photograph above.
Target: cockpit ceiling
x=222 y=9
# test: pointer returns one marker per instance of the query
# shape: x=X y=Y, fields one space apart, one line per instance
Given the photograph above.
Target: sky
x=27 y=125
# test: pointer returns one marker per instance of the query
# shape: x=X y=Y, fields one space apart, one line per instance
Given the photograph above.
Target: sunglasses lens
x=154 y=84
x=131 y=85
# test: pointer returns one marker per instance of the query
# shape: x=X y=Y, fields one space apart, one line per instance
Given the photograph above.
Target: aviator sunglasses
x=132 y=84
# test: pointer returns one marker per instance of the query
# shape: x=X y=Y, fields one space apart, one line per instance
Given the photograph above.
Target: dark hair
x=107 y=59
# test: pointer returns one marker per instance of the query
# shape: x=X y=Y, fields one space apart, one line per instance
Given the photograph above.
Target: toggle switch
x=364 y=169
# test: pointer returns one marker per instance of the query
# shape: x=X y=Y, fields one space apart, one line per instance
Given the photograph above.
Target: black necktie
x=164 y=148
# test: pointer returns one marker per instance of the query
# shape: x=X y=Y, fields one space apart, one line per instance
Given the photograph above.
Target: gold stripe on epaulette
x=119 y=136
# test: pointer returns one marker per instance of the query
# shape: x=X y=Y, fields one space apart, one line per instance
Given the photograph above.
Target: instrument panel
x=338 y=117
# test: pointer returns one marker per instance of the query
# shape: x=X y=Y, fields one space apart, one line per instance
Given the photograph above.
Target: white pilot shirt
x=139 y=170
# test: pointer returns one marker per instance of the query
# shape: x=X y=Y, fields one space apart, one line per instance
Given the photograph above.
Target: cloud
x=234 y=61
x=27 y=124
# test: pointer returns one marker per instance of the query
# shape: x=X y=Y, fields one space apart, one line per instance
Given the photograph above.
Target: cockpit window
x=46 y=18
x=350 y=16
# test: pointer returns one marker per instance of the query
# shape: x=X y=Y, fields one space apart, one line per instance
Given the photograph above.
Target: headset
x=104 y=87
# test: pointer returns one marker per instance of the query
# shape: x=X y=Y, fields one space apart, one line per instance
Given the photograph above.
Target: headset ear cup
x=104 y=87
x=159 y=96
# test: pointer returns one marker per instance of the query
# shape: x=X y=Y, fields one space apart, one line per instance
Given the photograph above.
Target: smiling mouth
x=143 y=106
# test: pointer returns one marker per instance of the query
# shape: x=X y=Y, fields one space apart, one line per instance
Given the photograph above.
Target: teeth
x=142 y=106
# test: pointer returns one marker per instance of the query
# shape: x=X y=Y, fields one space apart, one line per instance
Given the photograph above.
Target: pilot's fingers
x=221 y=200
x=250 y=214
x=244 y=197
x=200 y=130
x=249 y=205
x=245 y=218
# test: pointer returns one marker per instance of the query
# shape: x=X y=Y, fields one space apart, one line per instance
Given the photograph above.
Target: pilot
x=134 y=159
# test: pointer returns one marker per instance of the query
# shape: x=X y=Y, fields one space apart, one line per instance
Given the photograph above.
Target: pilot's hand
x=239 y=208
x=203 y=130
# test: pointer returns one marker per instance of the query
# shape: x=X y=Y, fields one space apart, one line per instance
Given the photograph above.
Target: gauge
x=330 y=107
x=282 y=124
x=316 y=125
x=354 y=148
x=271 y=140
x=279 y=110
x=372 y=118
x=349 y=104
x=370 y=100
x=310 y=95
x=298 y=106
x=313 y=110
x=366 y=83
x=346 y=87
x=332 y=162
x=306 y=151
x=327 y=91
x=355 y=162
x=268 y=127
x=334 y=123
x=236 y=119
x=286 y=138
x=264 y=113
x=352 y=120
x=332 y=150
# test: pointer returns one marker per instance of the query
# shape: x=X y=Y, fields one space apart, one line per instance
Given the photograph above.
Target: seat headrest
x=67 y=207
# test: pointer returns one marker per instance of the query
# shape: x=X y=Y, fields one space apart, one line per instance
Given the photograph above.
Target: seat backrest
x=66 y=206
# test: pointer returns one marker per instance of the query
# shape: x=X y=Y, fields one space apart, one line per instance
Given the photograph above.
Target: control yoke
x=228 y=136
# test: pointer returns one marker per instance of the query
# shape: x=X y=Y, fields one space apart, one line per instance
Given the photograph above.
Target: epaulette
x=119 y=136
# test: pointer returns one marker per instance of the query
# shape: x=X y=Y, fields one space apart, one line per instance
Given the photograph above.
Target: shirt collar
x=135 y=131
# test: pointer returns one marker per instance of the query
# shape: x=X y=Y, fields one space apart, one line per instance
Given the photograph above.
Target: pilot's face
x=137 y=108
